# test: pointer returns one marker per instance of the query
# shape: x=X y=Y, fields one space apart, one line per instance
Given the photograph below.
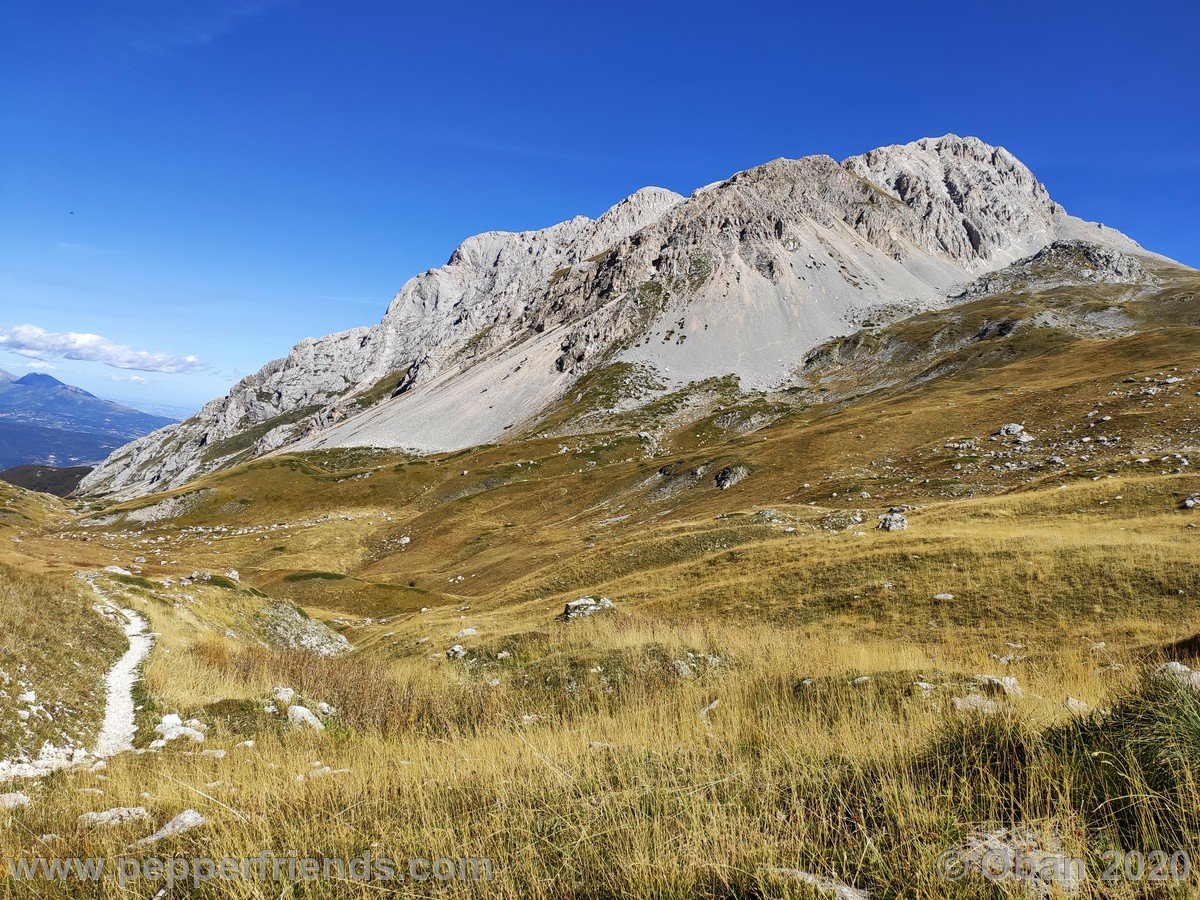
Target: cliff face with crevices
x=744 y=277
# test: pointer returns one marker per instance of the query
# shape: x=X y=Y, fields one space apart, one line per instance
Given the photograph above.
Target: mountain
x=744 y=278
x=44 y=421
x=6 y=377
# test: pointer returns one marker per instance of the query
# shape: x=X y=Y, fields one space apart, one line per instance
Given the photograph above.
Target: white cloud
x=37 y=343
x=136 y=379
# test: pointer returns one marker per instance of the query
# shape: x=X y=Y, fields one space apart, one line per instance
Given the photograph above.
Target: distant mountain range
x=46 y=422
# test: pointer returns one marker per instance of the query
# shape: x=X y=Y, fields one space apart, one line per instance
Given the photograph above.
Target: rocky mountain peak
x=978 y=201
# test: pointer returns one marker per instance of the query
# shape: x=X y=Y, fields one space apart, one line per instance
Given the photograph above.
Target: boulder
x=731 y=475
x=892 y=521
x=584 y=607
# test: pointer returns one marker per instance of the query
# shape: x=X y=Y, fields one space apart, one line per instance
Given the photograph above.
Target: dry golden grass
x=631 y=793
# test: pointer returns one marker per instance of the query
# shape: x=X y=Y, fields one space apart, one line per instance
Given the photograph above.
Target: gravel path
x=116 y=734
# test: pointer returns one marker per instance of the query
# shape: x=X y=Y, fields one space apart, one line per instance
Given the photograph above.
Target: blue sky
x=203 y=184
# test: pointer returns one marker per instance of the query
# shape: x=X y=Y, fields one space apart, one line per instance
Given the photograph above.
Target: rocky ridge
x=742 y=278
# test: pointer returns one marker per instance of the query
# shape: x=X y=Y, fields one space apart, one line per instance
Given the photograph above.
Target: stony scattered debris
x=467 y=632
x=892 y=521
x=1010 y=429
x=681 y=669
x=943 y=597
x=584 y=607
x=708 y=710
x=185 y=821
x=172 y=728
x=458 y=651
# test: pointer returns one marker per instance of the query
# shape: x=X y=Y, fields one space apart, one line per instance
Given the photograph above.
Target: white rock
x=1177 y=671
x=185 y=821
x=976 y=703
x=1076 y=707
x=302 y=716
x=118 y=815
x=1007 y=685
x=283 y=695
x=172 y=728
x=14 y=800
